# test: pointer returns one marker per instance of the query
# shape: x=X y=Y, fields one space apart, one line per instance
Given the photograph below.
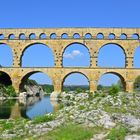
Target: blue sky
x=72 y=13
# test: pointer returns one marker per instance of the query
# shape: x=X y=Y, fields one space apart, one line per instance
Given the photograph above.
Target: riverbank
x=100 y=115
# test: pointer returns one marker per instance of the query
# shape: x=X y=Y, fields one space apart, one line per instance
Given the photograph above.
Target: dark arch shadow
x=6 y=105
x=5 y=79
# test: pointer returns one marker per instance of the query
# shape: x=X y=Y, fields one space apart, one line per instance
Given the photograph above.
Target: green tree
x=120 y=84
x=99 y=87
x=78 y=90
x=31 y=82
x=11 y=91
x=47 y=88
x=114 y=90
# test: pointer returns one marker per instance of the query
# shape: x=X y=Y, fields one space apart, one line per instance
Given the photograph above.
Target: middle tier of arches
x=91 y=54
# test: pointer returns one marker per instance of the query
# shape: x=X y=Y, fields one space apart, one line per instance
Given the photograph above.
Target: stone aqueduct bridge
x=58 y=45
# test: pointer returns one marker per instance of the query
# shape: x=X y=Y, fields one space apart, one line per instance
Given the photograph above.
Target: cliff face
x=33 y=94
x=34 y=90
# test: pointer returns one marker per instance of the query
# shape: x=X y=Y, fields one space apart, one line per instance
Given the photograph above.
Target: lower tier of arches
x=58 y=76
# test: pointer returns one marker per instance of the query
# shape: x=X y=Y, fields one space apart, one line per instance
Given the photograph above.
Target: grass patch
x=81 y=107
x=12 y=124
x=7 y=126
x=71 y=132
x=111 y=109
x=45 y=118
x=118 y=133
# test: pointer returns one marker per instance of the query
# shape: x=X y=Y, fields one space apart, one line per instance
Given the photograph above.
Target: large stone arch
x=35 y=43
x=116 y=45
x=26 y=75
x=75 y=43
x=121 y=76
x=74 y=72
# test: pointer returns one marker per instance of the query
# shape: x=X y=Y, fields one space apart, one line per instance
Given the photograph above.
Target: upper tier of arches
x=69 y=35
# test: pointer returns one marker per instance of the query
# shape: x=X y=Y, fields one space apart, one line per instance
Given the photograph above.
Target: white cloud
x=73 y=54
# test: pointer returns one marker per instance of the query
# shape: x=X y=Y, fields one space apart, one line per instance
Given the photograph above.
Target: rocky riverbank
x=118 y=115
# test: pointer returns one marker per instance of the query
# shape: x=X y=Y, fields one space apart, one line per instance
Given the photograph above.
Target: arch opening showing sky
x=76 y=55
x=108 y=79
x=38 y=55
x=41 y=78
x=111 y=55
x=72 y=80
x=137 y=58
x=6 y=56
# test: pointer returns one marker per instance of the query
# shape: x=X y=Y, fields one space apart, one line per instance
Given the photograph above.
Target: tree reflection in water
x=6 y=108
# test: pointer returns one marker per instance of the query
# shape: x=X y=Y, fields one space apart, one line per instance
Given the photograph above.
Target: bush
x=48 y=88
x=81 y=107
x=7 y=91
x=79 y=90
x=31 y=82
x=99 y=94
x=100 y=87
x=67 y=97
x=70 y=132
x=11 y=91
x=61 y=106
x=45 y=118
x=114 y=90
x=90 y=95
x=118 y=133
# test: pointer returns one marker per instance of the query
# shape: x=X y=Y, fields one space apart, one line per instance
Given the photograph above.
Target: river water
x=29 y=108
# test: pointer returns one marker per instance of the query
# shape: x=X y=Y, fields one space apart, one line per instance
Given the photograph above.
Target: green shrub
x=45 y=118
x=118 y=133
x=90 y=95
x=11 y=91
x=79 y=90
x=61 y=106
x=7 y=125
x=98 y=94
x=67 y=97
x=7 y=91
x=81 y=107
x=48 y=88
x=70 y=132
x=114 y=90
x=31 y=82
x=100 y=87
